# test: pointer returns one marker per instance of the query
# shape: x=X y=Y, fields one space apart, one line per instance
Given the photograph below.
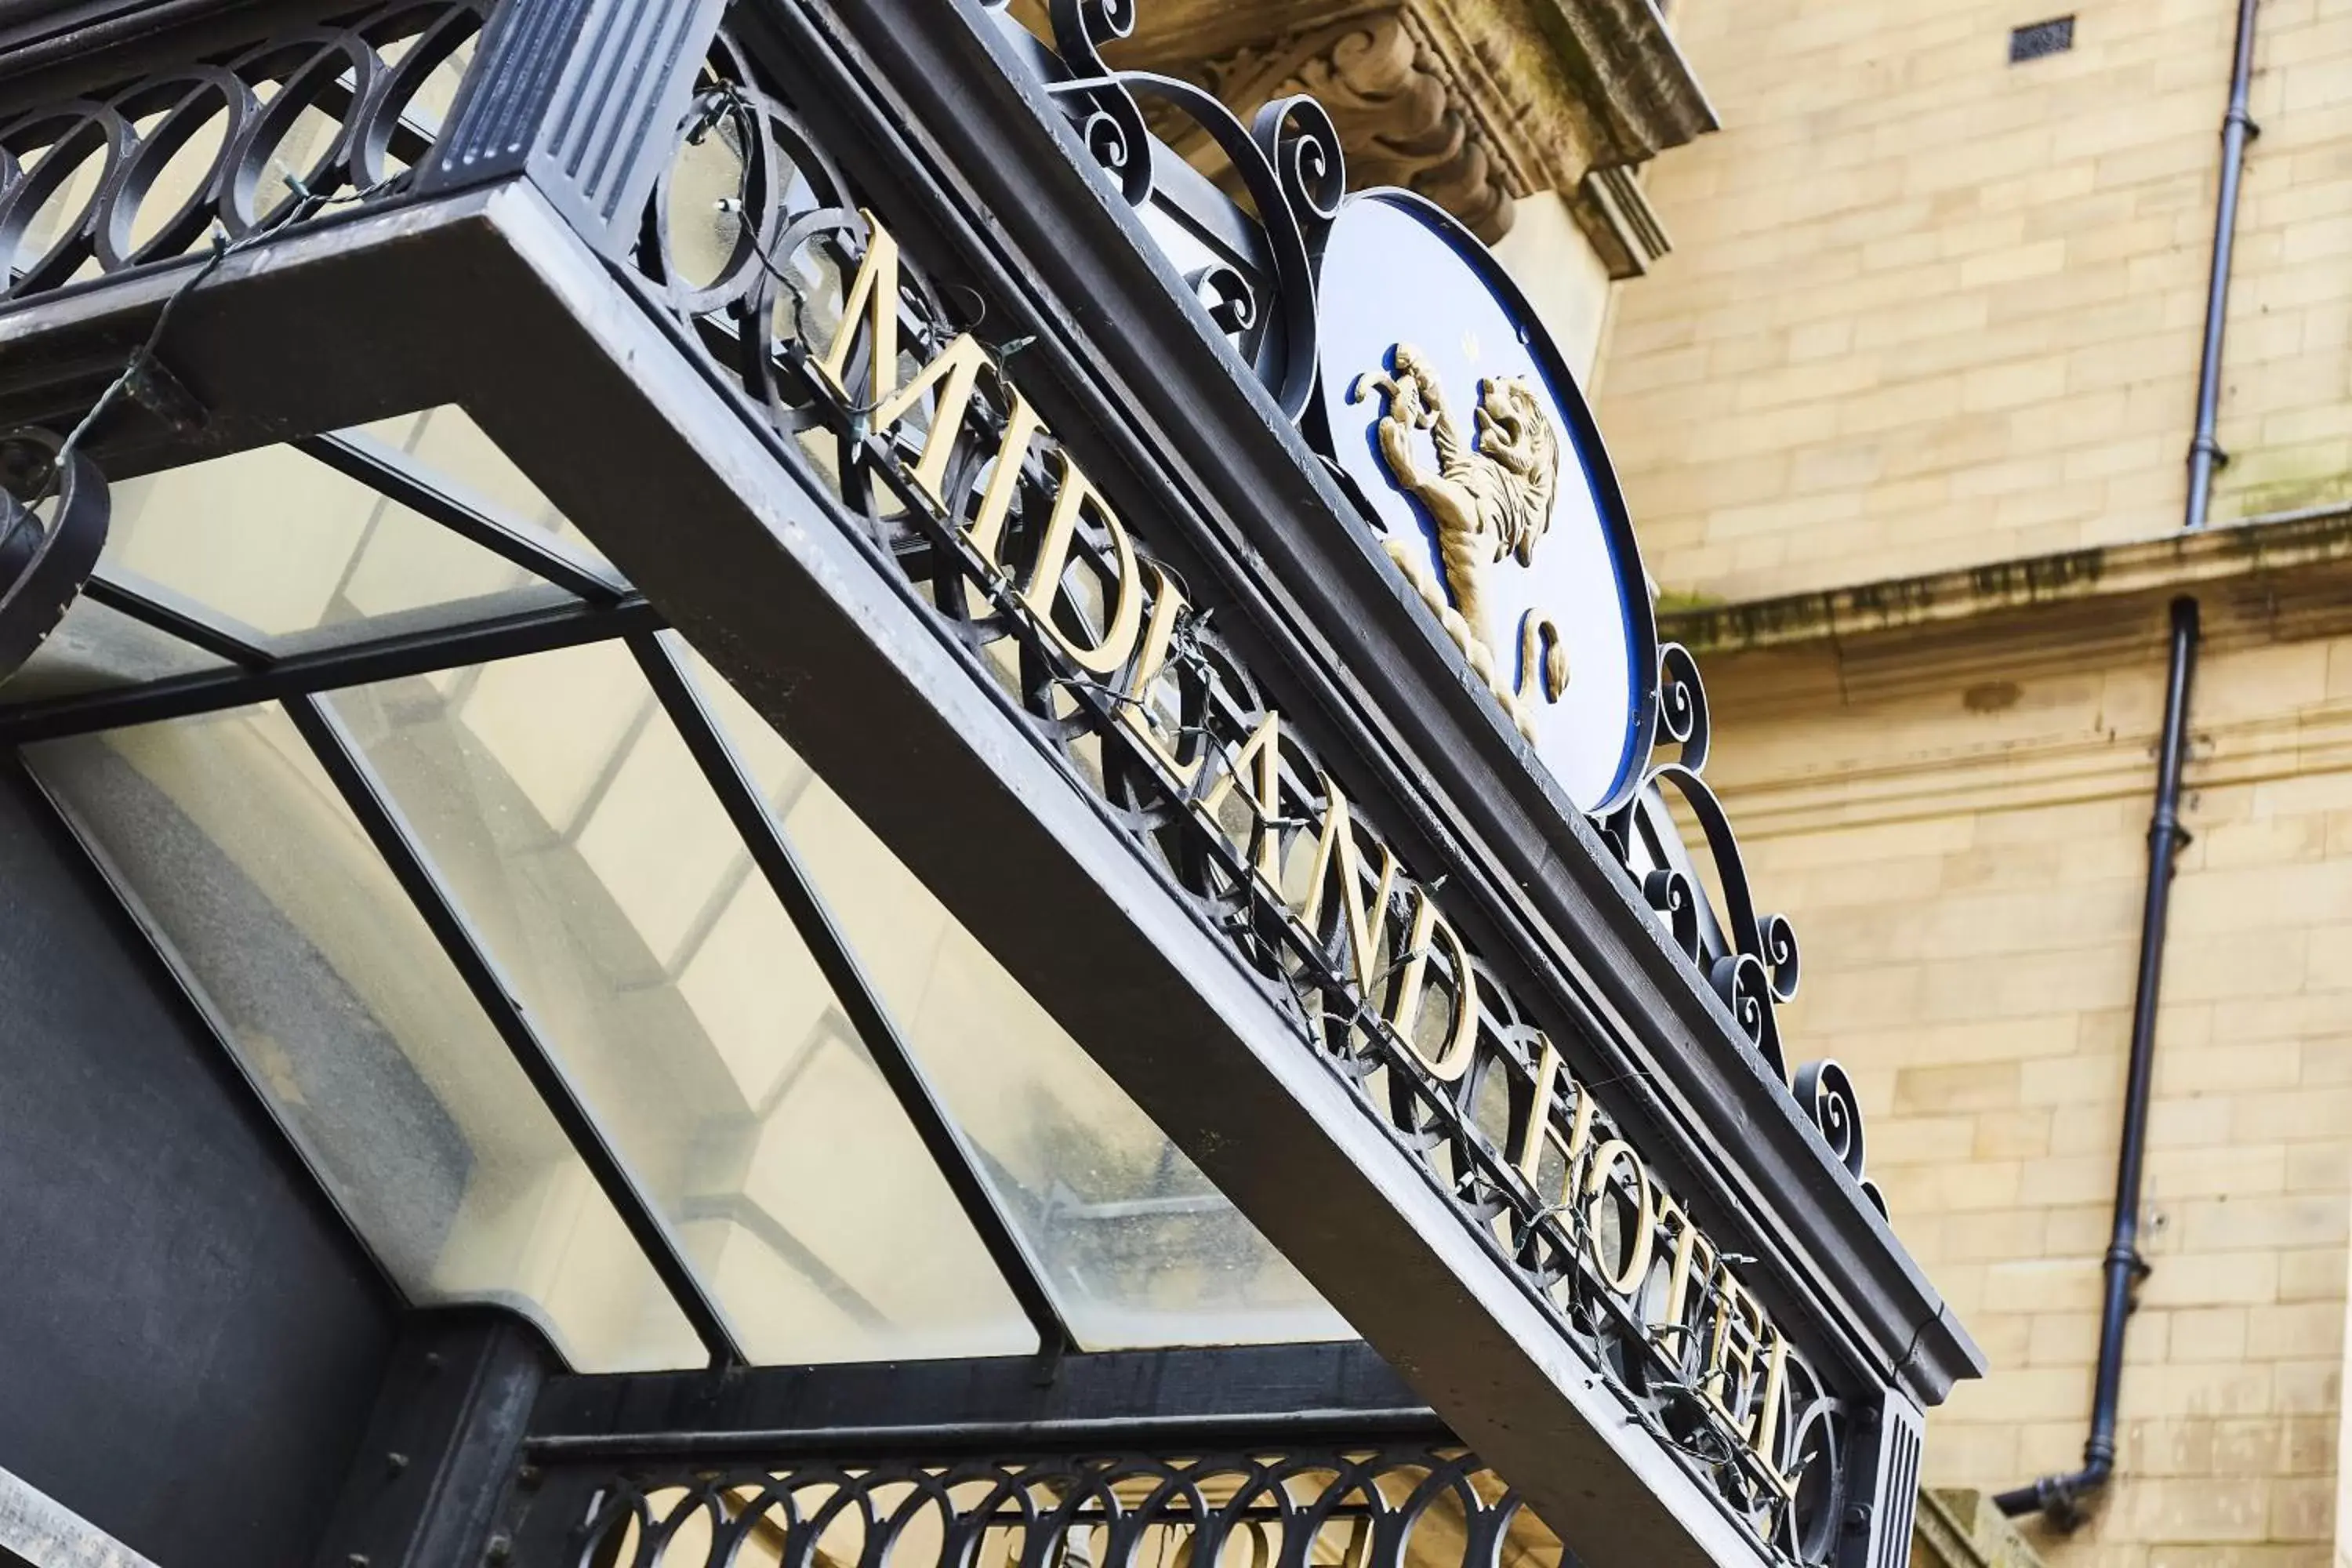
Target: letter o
x=1596 y=1189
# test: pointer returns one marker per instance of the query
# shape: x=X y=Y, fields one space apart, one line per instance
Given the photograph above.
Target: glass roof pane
x=470 y=465
x=1141 y=1248
x=586 y=848
x=280 y=543
x=351 y=1022
x=95 y=648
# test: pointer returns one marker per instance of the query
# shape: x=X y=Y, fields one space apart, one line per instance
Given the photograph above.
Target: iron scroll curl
x=1287 y=159
x=54 y=509
x=1095 y=97
x=1291 y=163
x=1752 y=961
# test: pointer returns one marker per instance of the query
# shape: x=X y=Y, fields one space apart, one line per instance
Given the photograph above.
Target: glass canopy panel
x=342 y=1008
x=283 y=548
x=592 y=857
x=1140 y=1249
x=95 y=648
x=467 y=464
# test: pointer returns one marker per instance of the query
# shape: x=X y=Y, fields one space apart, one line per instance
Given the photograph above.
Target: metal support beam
x=398 y=844
x=394 y=474
x=442 y=1441
x=1163 y=1397
x=176 y=621
x=361 y=663
x=950 y=1150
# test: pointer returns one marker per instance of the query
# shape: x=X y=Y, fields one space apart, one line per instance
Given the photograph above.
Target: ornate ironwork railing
x=1374 y=1506
x=752 y=236
x=1261 y=288
x=746 y=249
x=227 y=148
x=215 y=148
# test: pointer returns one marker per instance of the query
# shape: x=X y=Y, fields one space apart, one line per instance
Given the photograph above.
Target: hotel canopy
x=907 y=968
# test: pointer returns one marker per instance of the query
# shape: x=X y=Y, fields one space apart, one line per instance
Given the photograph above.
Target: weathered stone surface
x=1963 y=1530
x=1474 y=103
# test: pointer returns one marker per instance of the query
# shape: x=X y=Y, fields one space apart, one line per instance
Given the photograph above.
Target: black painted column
x=580 y=96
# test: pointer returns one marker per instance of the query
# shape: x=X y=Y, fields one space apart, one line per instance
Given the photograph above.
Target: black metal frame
x=388 y=830
x=264 y=679
x=507 y=234
x=611 y=612
x=780 y=863
x=394 y=475
x=1183 y=1397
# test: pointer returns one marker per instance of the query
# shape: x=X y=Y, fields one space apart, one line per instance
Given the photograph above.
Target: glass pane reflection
x=588 y=850
x=94 y=647
x=1141 y=1249
x=467 y=463
x=277 y=542
x=351 y=1022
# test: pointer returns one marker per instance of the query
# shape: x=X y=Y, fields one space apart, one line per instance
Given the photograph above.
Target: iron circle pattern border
x=1113 y=1510
x=362 y=73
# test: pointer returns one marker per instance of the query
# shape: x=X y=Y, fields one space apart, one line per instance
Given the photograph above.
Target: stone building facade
x=1903 y=421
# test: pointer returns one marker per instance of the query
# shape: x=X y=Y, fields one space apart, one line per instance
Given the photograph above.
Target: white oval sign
x=1446 y=401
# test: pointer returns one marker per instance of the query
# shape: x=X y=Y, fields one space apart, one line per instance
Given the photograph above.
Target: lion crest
x=1490 y=496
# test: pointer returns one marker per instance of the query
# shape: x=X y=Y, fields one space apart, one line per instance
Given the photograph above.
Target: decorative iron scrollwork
x=1751 y=960
x=1107 y=118
x=54 y=509
x=1291 y=166
x=961 y=488
x=1287 y=161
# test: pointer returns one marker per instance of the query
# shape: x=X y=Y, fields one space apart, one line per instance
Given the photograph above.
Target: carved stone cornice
x=1399 y=110
x=1632 y=75
x=1474 y=103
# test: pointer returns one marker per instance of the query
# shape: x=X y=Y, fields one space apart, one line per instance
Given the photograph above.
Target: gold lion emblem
x=1491 y=497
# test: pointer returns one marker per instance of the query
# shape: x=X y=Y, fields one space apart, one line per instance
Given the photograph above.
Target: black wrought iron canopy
x=713 y=424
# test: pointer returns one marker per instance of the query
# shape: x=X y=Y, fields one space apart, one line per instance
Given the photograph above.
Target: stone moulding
x=1474 y=103
x=1398 y=110
x=2289 y=571
x=1617 y=218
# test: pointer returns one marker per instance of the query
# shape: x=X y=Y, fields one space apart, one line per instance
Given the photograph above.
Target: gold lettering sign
x=1126 y=632
x=1336 y=850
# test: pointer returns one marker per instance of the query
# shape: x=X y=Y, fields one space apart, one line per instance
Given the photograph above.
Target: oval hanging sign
x=1447 y=402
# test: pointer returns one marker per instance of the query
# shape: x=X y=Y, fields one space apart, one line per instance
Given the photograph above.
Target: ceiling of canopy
x=533 y=937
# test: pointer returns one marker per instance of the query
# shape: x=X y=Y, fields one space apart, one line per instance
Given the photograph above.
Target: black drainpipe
x=2060 y=1498
x=2238 y=128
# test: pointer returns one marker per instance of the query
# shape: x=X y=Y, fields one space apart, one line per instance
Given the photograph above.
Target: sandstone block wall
x=1927 y=308
x=1965 y=865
